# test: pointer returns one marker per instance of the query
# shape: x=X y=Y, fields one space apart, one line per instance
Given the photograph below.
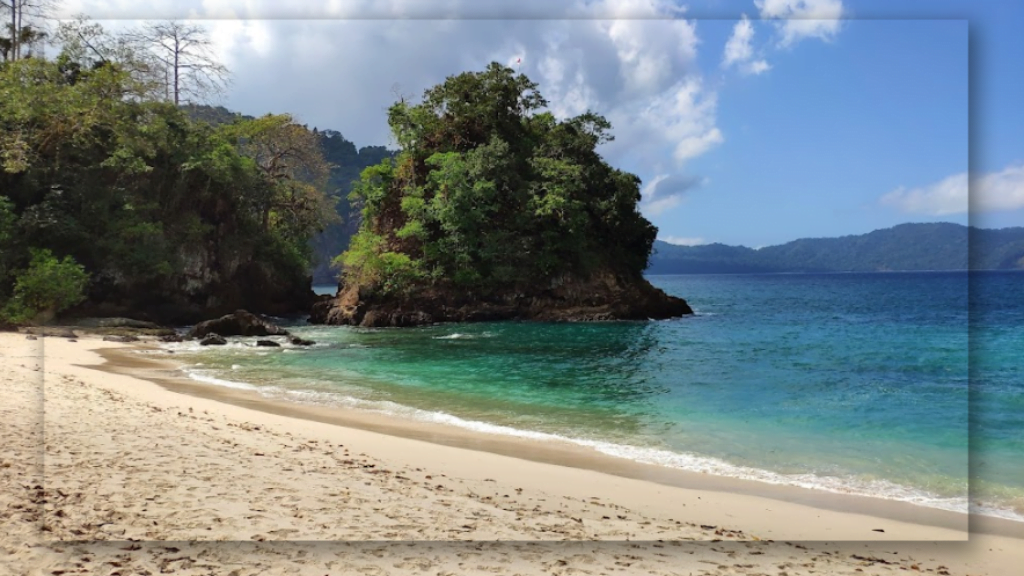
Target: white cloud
x=666 y=191
x=757 y=67
x=999 y=191
x=947 y=196
x=339 y=65
x=803 y=18
x=684 y=118
x=737 y=48
x=739 y=52
x=681 y=241
x=993 y=192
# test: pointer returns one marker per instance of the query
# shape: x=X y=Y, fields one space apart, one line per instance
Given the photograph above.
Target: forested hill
x=939 y=246
x=346 y=161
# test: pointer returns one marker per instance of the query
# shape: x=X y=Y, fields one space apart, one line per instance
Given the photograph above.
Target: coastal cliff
x=494 y=210
x=603 y=297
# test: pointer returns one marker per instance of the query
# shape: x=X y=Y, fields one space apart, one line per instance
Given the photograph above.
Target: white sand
x=119 y=458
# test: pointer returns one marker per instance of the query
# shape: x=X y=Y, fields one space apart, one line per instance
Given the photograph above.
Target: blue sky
x=751 y=122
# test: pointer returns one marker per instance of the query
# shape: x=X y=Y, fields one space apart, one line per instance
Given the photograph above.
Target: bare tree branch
x=25 y=26
x=192 y=71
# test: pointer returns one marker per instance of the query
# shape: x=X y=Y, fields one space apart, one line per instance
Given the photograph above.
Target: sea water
x=907 y=386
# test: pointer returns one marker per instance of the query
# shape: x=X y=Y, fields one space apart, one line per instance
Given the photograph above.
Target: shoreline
x=168 y=374
x=182 y=448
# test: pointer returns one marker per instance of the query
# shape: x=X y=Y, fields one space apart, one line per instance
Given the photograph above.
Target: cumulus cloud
x=666 y=191
x=686 y=115
x=947 y=196
x=999 y=191
x=993 y=192
x=681 y=241
x=341 y=63
x=799 y=19
x=740 y=53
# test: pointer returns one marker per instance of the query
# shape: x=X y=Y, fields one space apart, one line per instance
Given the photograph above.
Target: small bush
x=49 y=286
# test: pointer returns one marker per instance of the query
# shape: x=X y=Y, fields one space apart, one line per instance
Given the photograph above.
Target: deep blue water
x=844 y=382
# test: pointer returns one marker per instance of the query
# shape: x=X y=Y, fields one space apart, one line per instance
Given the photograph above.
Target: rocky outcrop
x=211 y=280
x=117 y=323
x=267 y=344
x=567 y=299
x=241 y=323
x=121 y=338
x=213 y=340
x=57 y=332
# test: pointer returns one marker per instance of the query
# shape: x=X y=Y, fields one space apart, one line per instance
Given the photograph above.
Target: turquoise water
x=843 y=382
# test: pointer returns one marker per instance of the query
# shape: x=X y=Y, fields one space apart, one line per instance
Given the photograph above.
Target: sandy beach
x=105 y=472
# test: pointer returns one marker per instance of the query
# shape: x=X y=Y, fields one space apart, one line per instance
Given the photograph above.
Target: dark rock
x=120 y=338
x=116 y=323
x=31 y=337
x=72 y=340
x=296 y=341
x=268 y=343
x=213 y=340
x=172 y=338
x=600 y=297
x=241 y=323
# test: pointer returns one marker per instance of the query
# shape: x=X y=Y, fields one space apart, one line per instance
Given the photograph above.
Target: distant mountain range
x=907 y=247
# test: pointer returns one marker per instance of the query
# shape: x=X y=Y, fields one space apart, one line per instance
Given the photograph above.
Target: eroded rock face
x=241 y=323
x=601 y=297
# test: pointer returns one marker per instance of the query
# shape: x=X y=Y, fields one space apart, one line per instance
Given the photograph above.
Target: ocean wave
x=206 y=378
x=461 y=336
x=678 y=460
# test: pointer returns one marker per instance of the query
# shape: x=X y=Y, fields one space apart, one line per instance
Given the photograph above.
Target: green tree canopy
x=490 y=192
x=158 y=208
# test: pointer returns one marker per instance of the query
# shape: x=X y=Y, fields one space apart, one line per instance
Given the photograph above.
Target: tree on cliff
x=169 y=217
x=184 y=52
x=490 y=193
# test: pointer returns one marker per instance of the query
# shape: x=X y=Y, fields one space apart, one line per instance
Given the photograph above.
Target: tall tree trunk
x=177 y=53
x=14 y=29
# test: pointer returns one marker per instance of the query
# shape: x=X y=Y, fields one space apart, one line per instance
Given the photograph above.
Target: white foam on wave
x=660 y=457
x=461 y=336
x=203 y=376
x=682 y=461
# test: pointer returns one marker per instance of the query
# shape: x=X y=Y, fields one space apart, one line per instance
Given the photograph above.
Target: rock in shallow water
x=268 y=343
x=213 y=340
x=241 y=323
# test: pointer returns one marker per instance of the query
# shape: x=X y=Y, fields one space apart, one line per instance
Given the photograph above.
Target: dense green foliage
x=489 y=193
x=158 y=208
x=940 y=246
x=48 y=286
x=346 y=164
